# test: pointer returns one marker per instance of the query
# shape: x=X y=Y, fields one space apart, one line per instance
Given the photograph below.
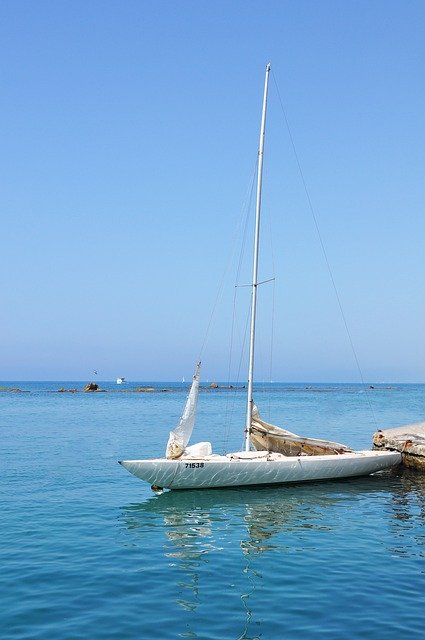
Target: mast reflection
x=239 y=526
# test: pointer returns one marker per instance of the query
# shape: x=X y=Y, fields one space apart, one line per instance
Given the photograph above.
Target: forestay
x=180 y=436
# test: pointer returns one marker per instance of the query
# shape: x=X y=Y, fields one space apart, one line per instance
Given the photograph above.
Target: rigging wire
x=242 y=223
x=322 y=245
x=242 y=220
x=272 y=319
x=242 y=346
x=271 y=345
x=230 y=409
x=242 y=352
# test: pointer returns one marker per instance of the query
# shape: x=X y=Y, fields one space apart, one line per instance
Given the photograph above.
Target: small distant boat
x=120 y=380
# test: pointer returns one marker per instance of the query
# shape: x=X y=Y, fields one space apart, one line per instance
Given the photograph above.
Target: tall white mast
x=255 y=263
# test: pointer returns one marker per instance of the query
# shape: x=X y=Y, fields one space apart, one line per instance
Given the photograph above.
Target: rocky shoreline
x=93 y=387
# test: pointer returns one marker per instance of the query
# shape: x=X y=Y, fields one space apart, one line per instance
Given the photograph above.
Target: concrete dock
x=409 y=439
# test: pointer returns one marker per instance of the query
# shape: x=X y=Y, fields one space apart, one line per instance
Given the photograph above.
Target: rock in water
x=91 y=386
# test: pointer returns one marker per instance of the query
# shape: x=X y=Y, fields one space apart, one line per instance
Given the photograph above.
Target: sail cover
x=267 y=437
x=180 y=436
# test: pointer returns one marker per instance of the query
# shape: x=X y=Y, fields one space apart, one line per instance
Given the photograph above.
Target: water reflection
x=241 y=525
x=408 y=510
x=194 y=521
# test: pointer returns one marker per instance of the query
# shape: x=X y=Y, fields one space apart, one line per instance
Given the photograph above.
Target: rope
x=316 y=224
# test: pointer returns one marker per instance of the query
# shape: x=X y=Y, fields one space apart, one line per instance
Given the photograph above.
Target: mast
x=254 y=285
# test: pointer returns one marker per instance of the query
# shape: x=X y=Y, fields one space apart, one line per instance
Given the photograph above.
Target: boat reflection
x=407 y=506
x=195 y=522
x=194 y=519
x=240 y=525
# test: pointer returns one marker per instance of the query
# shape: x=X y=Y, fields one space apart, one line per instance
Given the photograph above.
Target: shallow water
x=87 y=551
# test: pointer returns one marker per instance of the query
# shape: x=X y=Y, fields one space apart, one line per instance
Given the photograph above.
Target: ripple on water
x=88 y=552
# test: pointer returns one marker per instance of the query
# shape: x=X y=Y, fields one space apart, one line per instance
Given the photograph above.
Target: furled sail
x=267 y=437
x=180 y=436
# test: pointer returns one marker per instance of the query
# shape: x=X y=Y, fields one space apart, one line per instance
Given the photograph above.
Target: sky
x=128 y=148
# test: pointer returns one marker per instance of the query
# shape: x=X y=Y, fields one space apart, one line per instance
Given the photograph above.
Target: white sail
x=180 y=436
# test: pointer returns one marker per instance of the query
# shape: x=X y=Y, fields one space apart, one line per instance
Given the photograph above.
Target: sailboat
x=278 y=456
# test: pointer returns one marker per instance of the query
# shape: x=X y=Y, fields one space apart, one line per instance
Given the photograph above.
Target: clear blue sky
x=129 y=136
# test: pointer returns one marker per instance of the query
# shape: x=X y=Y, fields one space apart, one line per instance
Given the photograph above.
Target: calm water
x=87 y=551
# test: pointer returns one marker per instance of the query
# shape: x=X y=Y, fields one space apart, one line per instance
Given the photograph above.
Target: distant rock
x=91 y=386
x=213 y=385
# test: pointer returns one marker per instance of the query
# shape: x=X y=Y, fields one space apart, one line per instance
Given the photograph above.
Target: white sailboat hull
x=227 y=471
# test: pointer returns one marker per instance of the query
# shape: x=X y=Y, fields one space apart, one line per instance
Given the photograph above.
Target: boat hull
x=224 y=471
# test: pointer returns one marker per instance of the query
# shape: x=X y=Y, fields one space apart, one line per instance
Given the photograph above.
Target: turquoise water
x=87 y=551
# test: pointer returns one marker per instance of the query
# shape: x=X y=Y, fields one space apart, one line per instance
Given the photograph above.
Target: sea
x=88 y=551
